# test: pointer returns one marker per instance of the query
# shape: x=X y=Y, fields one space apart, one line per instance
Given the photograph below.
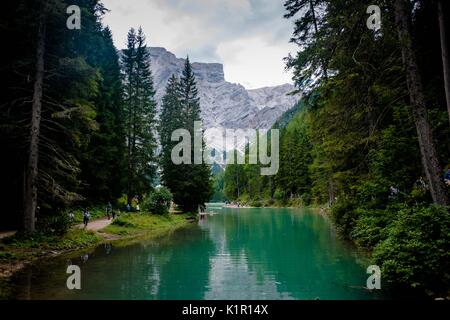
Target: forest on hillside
x=370 y=138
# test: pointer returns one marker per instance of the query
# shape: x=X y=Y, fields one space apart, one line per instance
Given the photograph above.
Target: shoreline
x=322 y=209
x=16 y=258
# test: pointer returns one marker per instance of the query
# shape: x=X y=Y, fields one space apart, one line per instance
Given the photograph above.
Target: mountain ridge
x=222 y=103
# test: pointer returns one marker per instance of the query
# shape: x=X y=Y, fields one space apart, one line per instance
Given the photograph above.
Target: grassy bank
x=139 y=224
x=22 y=249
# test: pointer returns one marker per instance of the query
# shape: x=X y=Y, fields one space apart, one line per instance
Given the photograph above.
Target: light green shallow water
x=235 y=254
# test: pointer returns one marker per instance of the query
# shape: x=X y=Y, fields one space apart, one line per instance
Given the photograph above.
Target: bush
x=158 y=201
x=256 y=204
x=416 y=253
x=279 y=195
x=370 y=228
x=55 y=224
x=122 y=201
x=306 y=199
x=344 y=215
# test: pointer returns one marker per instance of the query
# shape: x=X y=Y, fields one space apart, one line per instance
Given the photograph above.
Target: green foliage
x=158 y=201
x=122 y=201
x=139 y=111
x=362 y=138
x=256 y=204
x=218 y=187
x=190 y=183
x=103 y=164
x=293 y=178
x=81 y=145
x=75 y=238
x=372 y=226
x=415 y=253
x=55 y=224
x=123 y=222
x=344 y=214
x=135 y=224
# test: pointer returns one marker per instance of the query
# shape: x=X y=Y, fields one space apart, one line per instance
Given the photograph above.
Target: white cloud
x=254 y=62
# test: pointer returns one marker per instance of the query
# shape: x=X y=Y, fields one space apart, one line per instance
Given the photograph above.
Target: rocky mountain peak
x=222 y=103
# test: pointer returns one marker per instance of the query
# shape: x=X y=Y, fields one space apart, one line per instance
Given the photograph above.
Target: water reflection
x=236 y=254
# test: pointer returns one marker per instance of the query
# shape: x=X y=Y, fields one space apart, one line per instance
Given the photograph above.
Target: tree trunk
x=316 y=29
x=428 y=152
x=444 y=50
x=31 y=170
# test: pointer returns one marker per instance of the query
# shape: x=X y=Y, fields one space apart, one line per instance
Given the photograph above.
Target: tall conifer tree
x=140 y=108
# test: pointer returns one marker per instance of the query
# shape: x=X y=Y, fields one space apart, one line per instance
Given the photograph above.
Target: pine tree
x=61 y=114
x=140 y=108
x=103 y=160
x=170 y=120
x=190 y=184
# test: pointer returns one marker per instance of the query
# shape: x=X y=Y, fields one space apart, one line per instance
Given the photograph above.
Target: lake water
x=234 y=254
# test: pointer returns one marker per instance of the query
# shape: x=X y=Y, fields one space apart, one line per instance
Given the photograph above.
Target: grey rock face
x=223 y=103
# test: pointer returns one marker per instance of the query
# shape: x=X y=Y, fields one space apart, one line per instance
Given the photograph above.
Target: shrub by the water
x=416 y=253
x=158 y=201
x=343 y=214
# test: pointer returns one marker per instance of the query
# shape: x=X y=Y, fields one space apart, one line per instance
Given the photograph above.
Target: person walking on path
x=109 y=210
x=86 y=217
x=71 y=216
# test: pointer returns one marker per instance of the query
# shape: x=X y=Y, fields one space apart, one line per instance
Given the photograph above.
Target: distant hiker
x=86 y=217
x=420 y=183
x=128 y=207
x=393 y=192
x=447 y=177
x=71 y=216
x=109 y=210
x=202 y=209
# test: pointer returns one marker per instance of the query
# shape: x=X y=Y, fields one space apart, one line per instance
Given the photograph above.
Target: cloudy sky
x=250 y=37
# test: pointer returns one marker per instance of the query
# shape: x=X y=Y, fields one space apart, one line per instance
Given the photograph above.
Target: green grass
x=23 y=246
x=130 y=224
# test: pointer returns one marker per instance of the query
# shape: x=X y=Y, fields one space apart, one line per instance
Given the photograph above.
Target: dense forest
x=79 y=122
x=371 y=137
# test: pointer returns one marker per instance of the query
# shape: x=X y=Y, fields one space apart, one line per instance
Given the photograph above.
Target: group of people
x=138 y=208
x=110 y=213
x=420 y=183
